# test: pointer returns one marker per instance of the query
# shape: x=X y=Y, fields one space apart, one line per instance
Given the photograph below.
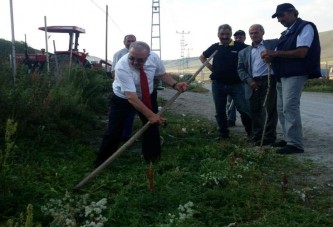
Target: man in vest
x=295 y=59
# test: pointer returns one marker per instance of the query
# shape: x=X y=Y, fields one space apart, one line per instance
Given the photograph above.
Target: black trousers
x=120 y=109
x=258 y=112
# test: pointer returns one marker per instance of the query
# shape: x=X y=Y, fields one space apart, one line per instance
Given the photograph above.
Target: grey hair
x=139 y=45
x=261 y=28
x=224 y=26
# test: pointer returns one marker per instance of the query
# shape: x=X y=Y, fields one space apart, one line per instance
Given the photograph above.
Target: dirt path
x=317 y=125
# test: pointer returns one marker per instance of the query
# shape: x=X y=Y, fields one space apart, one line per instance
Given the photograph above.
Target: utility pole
x=188 y=57
x=155 y=43
x=106 y=35
x=13 y=41
x=182 y=49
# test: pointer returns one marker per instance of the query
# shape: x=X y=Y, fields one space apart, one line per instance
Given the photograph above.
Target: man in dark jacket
x=225 y=79
x=261 y=86
x=296 y=59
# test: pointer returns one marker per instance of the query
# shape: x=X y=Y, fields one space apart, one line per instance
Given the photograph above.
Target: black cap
x=283 y=8
x=239 y=32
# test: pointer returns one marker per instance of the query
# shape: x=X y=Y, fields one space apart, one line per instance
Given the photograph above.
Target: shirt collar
x=260 y=44
x=232 y=43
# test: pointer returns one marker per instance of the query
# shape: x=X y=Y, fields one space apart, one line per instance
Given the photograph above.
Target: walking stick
x=107 y=162
x=264 y=104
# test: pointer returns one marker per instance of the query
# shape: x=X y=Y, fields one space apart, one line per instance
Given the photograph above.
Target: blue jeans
x=289 y=92
x=236 y=91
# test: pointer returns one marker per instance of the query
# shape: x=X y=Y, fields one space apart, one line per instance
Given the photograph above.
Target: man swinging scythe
x=128 y=89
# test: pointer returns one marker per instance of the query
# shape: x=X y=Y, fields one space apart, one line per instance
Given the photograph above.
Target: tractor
x=61 y=59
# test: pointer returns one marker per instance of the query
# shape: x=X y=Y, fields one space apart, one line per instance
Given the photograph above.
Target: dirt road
x=317 y=118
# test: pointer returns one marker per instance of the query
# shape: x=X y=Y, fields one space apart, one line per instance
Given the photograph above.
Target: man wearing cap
x=239 y=36
x=295 y=59
x=261 y=84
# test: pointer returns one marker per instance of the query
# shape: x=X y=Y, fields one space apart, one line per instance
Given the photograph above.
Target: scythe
x=107 y=162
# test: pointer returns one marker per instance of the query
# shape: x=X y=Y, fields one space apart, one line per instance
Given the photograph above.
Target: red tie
x=145 y=88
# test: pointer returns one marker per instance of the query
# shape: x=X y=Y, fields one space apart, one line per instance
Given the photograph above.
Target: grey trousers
x=289 y=92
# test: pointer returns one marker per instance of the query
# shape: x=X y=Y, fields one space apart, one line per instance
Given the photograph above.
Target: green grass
x=319 y=85
x=198 y=182
x=227 y=182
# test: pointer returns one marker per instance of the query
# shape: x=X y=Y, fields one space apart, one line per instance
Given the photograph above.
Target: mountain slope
x=190 y=65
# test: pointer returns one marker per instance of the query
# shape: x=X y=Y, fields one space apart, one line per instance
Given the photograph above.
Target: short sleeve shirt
x=127 y=77
x=117 y=56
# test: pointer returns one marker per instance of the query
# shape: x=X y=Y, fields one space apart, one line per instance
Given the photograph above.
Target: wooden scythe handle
x=107 y=162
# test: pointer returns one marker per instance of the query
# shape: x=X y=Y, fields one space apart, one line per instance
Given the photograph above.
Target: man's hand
x=181 y=86
x=254 y=85
x=267 y=55
x=156 y=119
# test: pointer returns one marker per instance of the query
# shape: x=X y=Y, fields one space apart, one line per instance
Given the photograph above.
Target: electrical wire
x=103 y=10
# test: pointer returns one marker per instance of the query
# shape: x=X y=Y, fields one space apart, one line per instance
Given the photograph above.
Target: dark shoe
x=231 y=124
x=223 y=137
x=281 y=143
x=265 y=142
x=289 y=149
x=252 y=139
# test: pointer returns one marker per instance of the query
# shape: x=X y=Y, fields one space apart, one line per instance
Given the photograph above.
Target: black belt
x=260 y=77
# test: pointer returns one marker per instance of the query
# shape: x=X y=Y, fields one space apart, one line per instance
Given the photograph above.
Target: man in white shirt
x=128 y=128
x=128 y=97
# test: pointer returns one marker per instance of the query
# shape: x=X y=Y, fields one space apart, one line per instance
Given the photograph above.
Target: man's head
x=138 y=54
x=256 y=32
x=240 y=36
x=128 y=39
x=286 y=14
x=224 y=33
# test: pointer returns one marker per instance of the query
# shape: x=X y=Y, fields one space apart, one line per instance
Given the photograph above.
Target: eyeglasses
x=138 y=60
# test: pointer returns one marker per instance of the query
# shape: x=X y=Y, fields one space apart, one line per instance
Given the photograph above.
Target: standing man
x=128 y=128
x=225 y=79
x=133 y=87
x=239 y=36
x=254 y=72
x=128 y=39
x=296 y=59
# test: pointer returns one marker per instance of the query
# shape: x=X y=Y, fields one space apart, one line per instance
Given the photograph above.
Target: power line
x=108 y=16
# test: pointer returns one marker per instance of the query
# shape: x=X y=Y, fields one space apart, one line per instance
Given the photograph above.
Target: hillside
x=326 y=42
x=190 y=65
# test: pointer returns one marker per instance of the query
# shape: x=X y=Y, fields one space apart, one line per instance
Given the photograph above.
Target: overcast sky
x=197 y=19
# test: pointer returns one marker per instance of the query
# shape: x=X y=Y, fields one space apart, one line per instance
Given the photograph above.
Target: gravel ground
x=317 y=118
